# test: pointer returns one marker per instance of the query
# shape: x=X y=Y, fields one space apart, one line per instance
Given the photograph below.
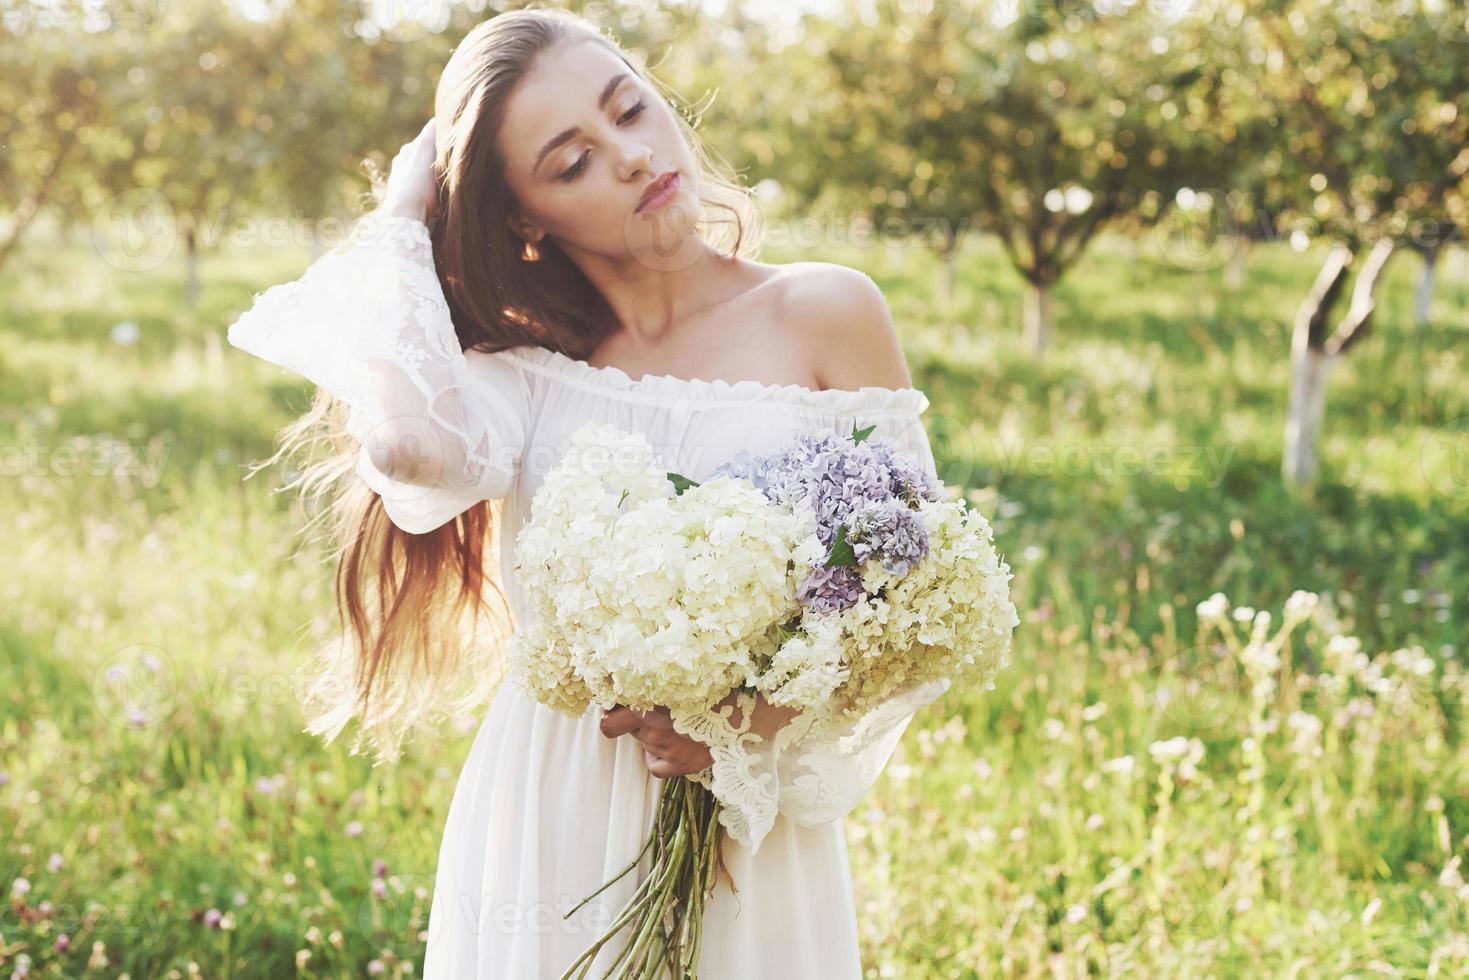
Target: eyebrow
x=568 y=134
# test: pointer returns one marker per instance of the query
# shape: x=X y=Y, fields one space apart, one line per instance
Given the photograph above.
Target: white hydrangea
x=807 y=669
x=645 y=597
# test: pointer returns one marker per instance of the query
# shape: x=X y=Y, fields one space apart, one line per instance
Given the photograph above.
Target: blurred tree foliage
x=1040 y=123
x=1356 y=117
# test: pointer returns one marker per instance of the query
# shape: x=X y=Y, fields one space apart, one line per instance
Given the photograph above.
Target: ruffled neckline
x=658 y=388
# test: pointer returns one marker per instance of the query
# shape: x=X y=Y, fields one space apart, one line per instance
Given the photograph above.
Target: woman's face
x=582 y=138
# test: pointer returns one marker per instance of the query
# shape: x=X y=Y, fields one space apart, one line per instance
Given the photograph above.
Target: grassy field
x=1147 y=793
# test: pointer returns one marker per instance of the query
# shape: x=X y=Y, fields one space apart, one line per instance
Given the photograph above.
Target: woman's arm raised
x=368 y=322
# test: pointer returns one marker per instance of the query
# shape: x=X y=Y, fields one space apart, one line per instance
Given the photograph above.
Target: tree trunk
x=1037 y=317
x=1309 y=365
x=1423 y=295
x=26 y=212
x=191 y=261
x=949 y=275
x=1313 y=351
x=1309 y=368
x=1239 y=261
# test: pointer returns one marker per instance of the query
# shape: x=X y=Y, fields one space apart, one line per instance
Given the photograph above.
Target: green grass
x=1026 y=831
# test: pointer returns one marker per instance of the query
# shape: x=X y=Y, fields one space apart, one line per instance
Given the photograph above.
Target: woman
x=543 y=254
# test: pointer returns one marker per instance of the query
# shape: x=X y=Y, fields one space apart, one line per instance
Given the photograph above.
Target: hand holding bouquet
x=828 y=578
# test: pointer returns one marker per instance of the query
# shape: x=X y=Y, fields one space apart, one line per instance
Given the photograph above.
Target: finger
x=685 y=754
x=659 y=767
x=619 y=721
x=666 y=767
x=657 y=718
x=656 y=739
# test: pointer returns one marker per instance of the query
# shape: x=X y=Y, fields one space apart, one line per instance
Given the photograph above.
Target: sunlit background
x=1186 y=284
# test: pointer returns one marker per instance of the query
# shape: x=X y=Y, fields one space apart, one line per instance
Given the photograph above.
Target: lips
x=656 y=190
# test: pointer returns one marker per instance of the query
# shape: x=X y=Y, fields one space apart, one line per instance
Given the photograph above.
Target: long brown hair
x=418 y=639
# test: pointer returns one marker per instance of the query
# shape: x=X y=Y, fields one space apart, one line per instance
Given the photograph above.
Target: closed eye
x=570 y=174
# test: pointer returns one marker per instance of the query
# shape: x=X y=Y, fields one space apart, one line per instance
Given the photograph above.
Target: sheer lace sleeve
x=809 y=769
x=438 y=428
x=825 y=774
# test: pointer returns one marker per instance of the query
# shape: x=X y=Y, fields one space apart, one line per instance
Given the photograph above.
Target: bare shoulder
x=844 y=325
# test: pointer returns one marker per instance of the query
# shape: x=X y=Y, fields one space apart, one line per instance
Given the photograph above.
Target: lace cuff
x=439 y=429
x=825 y=775
x=812 y=770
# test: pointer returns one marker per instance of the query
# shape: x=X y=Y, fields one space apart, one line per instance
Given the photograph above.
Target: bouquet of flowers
x=826 y=577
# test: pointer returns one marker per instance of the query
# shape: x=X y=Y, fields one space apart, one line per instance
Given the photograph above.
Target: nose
x=636 y=157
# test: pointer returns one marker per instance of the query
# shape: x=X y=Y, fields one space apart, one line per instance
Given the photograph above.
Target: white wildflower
x=1213 y=609
x=1299 y=607
x=1173 y=748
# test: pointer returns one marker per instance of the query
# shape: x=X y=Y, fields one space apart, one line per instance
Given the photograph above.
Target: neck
x=652 y=297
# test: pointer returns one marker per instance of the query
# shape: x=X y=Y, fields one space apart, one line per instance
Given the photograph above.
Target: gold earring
x=530 y=253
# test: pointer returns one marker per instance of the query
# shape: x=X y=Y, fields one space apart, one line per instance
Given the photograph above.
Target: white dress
x=546 y=808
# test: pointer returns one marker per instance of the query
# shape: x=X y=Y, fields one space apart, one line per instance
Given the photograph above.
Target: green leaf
x=841 y=552
x=681 y=483
x=859 y=434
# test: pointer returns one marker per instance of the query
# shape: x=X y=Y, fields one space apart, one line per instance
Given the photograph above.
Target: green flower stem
x=609 y=882
x=655 y=908
x=641 y=898
x=644 y=896
x=676 y=941
x=653 y=924
x=708 y=870
x=666 y=909
x=690 y=916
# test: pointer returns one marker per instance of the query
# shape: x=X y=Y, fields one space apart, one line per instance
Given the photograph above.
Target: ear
x=523 y=229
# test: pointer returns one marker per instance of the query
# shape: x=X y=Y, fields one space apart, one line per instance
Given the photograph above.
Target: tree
x=1372 y=123
x=60 y=80
x=1043 y=128
x=1429 y=240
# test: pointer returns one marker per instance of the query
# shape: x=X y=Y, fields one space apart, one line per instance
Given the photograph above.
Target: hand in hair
x=413 y=186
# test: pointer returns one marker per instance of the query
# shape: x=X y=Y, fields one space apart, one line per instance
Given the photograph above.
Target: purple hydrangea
x=891 y=531
x=744 y=466
x=867 y=487
x=831 y=589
